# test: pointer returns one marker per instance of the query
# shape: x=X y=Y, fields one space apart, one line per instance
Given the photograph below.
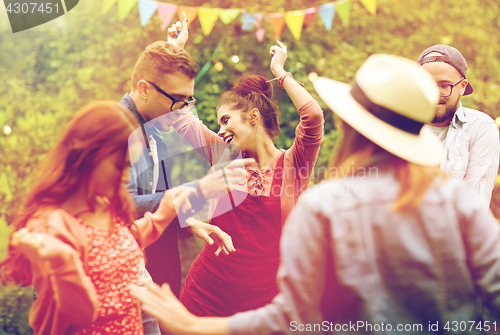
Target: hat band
x=394 y=119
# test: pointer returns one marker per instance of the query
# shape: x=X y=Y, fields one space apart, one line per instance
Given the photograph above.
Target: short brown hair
x=162 y=58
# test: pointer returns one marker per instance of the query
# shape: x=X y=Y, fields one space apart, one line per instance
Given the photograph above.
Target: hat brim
x=468 y=89
x=423 y=149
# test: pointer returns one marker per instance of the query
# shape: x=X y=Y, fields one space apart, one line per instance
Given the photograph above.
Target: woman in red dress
x=252 y=215
x=75 y=237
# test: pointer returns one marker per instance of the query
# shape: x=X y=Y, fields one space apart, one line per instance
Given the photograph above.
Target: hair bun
x=253 y=83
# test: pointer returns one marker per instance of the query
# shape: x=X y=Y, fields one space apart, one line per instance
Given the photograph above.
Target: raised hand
x=178 y=32
x=227 y=177
x=279 y=56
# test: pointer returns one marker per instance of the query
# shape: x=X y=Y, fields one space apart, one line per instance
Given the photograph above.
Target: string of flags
x=294 y=20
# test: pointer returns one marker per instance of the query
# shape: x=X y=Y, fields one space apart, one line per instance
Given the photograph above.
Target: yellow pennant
x=343 y=8
x=295 y=20
x=207 y=17
x=371 y=6
x=228 y=15
x=124 y=7
x=106 y=5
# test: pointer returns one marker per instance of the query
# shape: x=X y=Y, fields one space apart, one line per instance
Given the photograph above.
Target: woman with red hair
x=75 y=238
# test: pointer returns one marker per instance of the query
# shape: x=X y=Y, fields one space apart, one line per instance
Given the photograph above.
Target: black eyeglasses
x=176 y=103
x=445 y=90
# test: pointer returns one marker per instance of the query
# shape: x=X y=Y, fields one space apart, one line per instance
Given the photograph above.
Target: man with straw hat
x=401 y=250
x=470 y=137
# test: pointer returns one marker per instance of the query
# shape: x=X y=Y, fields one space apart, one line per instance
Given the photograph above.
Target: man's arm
x=484 y=150
x=143 y=202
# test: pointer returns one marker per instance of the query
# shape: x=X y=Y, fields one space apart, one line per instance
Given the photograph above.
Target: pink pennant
x=260 y=34
x=309 y=15
x=166 y=12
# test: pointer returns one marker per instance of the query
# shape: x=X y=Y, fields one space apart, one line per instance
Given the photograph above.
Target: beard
x=449 y=111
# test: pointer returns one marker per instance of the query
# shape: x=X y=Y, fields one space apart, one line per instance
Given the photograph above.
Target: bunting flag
x=278 y=21
x=191 y=13
x=166 y=13
x=248 y=22
x=146 y=10
x=344 y=10
x=260 y=34
x=228 y=15
x=106 y=5
x=370 y=5
x=207 y=17
x=295 y=20
x=124 y=7
x=309 y=14
x=326 y=13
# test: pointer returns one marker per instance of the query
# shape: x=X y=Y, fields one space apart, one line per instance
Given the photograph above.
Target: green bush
x=15 y=303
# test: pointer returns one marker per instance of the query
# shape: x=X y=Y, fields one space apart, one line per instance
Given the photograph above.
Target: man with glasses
x=162 y=83
x=470 y=137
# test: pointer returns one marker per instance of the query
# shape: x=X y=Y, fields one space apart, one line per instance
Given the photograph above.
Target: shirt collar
x=129 y=103
x=459 y=114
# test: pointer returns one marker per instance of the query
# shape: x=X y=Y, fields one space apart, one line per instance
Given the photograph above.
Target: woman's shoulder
x=54 y=221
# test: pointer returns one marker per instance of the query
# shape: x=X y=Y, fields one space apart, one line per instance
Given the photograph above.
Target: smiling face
x=444 y=73
x=155 y=106
x=234 y=128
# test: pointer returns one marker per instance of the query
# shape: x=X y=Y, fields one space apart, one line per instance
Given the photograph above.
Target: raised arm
x=297 y=93
x=309 y=133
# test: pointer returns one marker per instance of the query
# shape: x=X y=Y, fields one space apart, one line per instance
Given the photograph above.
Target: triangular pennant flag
x=248 y=22
x=278 y=21
x=146 y=10
x=309 y=15
x=371 y=6
x=166 y=12
x=295 y=20
x=106 y=5
x=207 y=17
x=124 y=7
x=260 y=34
x=326 y=13
x=191 y=12
x=228 y=15
x=344 y=10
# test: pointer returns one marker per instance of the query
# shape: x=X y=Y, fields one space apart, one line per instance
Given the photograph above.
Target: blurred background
x=50 y=71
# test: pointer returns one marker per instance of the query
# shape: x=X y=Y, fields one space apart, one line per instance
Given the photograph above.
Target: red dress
x=113 y=264
x=226 y=284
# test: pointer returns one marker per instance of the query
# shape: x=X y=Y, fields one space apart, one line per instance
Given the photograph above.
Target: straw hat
x=390 y=101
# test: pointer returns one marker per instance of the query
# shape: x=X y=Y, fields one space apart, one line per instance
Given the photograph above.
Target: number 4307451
x=35 y=7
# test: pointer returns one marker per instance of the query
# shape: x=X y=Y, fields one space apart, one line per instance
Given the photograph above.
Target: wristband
x=281 y=78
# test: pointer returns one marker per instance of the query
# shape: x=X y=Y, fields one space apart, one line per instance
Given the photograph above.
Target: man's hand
x=227 y=177
x=178 y=32
x=204 y=230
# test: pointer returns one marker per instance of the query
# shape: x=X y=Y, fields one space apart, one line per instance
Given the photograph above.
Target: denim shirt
x=141 y=173
x=350 y=263
x=472 y=151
